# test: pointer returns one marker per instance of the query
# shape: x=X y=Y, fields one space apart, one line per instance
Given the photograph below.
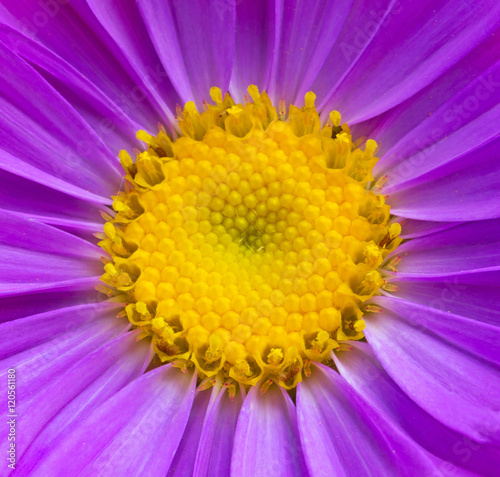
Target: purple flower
x=88 y=392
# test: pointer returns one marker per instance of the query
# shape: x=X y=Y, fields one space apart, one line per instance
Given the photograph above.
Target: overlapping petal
x=343 y=435
x=266 y=440
x=133 y=424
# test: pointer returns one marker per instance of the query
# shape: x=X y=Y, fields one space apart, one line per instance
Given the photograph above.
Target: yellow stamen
x=249 y=246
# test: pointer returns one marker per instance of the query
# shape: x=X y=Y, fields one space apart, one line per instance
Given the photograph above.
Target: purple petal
x=467 y=188
x=365 y=374
x=96 y=378
x=266 y=440
x=127 y=433
x=110 y=120
x=361 y=25
x=408 y=133
x=343 y=435
x=409 y=52
x=34 y=253
x=26 y=333
x=472 y=295
x=74 y=34
x=456 y=387
x=121 y=20
x=19 y=306
x=33 y=178
x=41 y=365
x=419 y=228
x=47 y=205
x=194 y=40
x=183 y=463
x=216 y=441
x=257 y=27
x=308 y=31
x=15 y=290
x=456 y=250
x=59 y=140
x=478 y=338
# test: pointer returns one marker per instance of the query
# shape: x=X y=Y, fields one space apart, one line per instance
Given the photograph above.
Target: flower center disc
x=248 y=246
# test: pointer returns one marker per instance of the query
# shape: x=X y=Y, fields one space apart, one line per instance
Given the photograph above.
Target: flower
x=397 y=377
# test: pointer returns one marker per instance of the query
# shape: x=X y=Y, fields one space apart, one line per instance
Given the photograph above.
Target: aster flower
x=295 y=268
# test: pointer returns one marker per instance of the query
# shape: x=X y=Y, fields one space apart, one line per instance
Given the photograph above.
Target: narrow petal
x=467 y=188
x=40 y=366
x=308 y=32
x=34 y=253
x=365 y=374
x=41 y=202
x=469 y=246
x=31 y=331
x=343 y=435
x=183 y=463
x=217 y=437
x=126 y=434
x=456 y=387
x=194 y=40
x=408 y=134
x=36 y=178
x=478 y=338
x=60 y=141
x=75 y=293
x=266 y=440
x=122 y=21
x=111 y=120
x=471 y=295
x=363 y=21
x=419 y=228
x=85 y=386
x=74 y=34
x=418 y=43
x=257 y=26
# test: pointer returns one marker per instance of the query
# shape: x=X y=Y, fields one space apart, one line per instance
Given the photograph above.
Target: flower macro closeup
x=250 y=238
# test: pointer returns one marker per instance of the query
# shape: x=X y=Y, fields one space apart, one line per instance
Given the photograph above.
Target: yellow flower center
x=248 y=246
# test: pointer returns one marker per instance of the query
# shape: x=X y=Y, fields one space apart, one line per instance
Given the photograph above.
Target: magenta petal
x=26 y=333
x=467 y=188
x=73 y=293
x=257 y=26
x=85 y=386
x=60 y=141
x=111 y=120
x=204 y=34
x=469 y=246
x=365 y=374
x=472 y=295
x=308 y=31
x=419 y=228
x=408 y=134
x=135 y=432
x=123 y=24
x=266 y=440
x=458 y=388
x=479 y=339
x=409 y=53
x=184 y=460
x=216 y=441
x=35 y=254
x=45 y=363
x=343 y=435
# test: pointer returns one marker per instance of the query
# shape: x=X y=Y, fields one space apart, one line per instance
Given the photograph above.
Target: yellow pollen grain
x=248 y=246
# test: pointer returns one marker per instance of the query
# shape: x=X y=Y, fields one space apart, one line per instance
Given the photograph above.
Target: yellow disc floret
x=248 y=246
